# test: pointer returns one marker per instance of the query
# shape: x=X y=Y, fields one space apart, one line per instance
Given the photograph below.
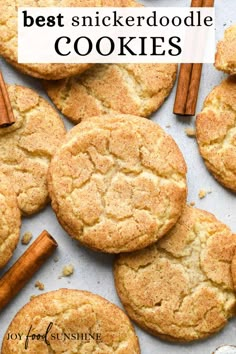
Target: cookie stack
x=117 y=184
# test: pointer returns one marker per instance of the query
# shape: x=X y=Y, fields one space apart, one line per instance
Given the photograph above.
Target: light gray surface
x=93 y=271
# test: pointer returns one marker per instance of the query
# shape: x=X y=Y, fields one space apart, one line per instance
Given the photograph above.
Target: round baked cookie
x=118 y=183
x=216 y=132
x=76 y=322
x=27 y=146
x=10 y=220
x=181 y=289
x=137 y=89
x=226 y=52
x=9 y=37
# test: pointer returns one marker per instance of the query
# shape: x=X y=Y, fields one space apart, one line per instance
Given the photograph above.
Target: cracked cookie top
x=118 y=183
x=181 y=287
x=27 y=147
x=216 y=132
x=10 y=220
x=81 y=322
x=9 y=36
x=226 y=52
x=137 y=89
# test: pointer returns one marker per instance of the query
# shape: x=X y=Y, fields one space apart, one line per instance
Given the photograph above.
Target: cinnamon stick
x=208 y=3
x=6 y=114
x=25 y=267
x=189 y=79
x=182 y=92
x=197 y=3
x=193 y=90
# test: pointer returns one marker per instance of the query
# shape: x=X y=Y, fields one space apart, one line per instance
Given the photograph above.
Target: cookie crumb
x=39 y=285
x=32 y=297
x=56 y=259
x=27 y=237
x=202 y=194
x=190 y=132
x=168 y=126
x=192 y=203
x=67 y=270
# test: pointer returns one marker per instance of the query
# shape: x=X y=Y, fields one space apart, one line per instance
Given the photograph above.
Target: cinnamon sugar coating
x=181 y=288
x=118 y=183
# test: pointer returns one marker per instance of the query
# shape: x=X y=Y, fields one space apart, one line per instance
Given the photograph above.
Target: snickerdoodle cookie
x=181 y=288
x=216 y=132
x=71 y=321
x=226 y=52
x=118 y=183
x=9 y=37
x=10 y=220
x=27 y=146
x=137 y=89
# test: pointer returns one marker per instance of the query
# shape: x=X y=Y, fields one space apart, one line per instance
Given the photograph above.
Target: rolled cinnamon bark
x=25 y=267
x=6 y=114
x=189 y=79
